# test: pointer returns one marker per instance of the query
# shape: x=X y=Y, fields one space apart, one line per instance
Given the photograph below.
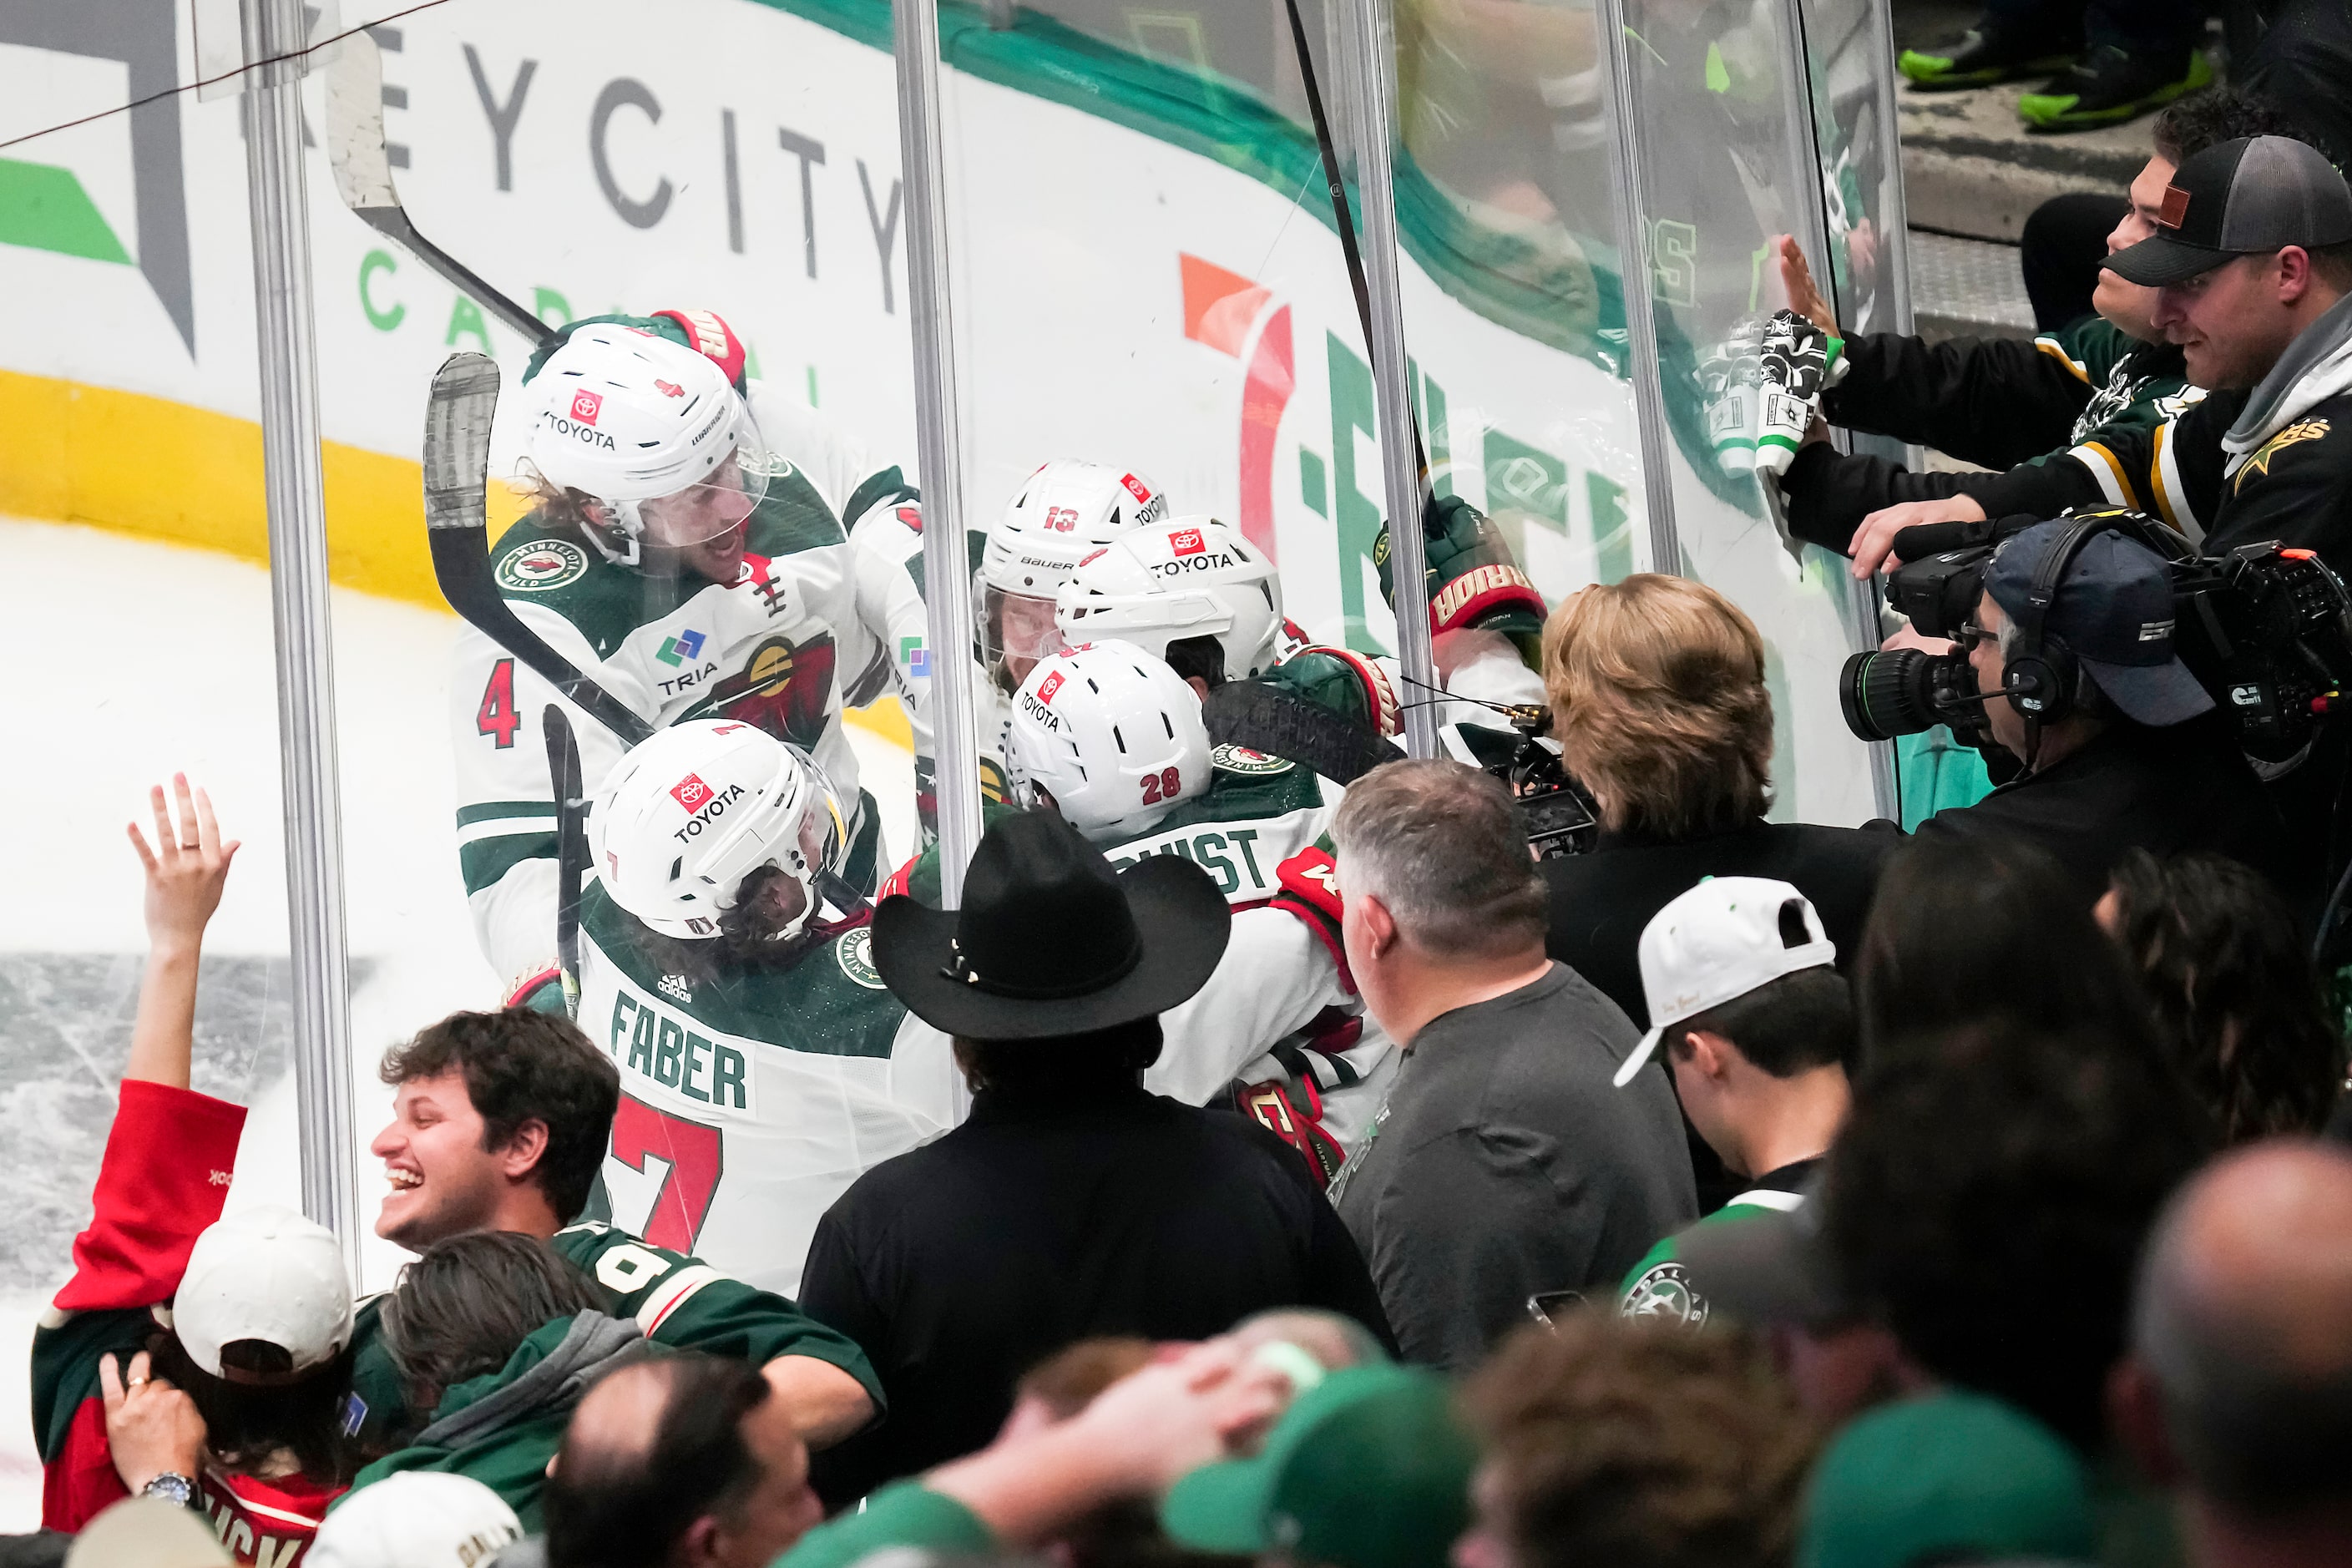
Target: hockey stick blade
x=571 y=846
x=456 y=471
x=363 y=167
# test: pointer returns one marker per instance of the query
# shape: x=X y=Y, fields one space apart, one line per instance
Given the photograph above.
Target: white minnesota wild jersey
x=1258 y=812
x=812 y=620
x=749 y=1103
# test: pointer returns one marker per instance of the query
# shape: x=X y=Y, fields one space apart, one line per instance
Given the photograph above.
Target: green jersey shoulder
x=830 y=1001
x=1658 y=1289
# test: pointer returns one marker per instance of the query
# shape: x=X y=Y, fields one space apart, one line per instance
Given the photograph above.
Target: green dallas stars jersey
x=676 y=1299
x=750 y=1102
x=1658 y=1288
x=812 y=622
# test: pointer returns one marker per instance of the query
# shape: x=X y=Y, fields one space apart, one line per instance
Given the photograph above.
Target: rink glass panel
x=1721 y=156
x=1513 y=308
x=1147 y=275
x=746 y=166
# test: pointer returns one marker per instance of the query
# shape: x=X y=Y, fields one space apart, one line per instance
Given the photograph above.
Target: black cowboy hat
x=1050 y=941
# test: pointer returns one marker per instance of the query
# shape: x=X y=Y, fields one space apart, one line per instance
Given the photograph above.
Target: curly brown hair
x=1609 y=1441
x=1659 y=704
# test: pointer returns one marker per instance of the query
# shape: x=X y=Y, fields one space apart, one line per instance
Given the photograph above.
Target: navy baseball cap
x=2114 y=608
x=2246 y=197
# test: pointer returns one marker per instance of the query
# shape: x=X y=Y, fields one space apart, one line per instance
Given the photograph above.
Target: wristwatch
x=171 y=1487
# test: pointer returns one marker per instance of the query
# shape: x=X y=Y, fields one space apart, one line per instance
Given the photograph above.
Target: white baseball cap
x=267 y=1274
x=1718 y=942
x=418 y=1519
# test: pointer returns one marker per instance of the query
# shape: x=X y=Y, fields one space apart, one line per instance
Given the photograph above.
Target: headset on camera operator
x=2068 y=662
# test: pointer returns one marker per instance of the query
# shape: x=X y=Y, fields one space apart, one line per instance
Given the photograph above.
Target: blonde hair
x=1658 y=702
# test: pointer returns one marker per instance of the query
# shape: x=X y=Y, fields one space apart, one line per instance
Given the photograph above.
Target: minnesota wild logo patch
x=855 y=952
x=542 y=564
x=1241 y=759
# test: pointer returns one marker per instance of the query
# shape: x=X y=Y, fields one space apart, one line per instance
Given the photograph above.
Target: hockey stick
x=457 y=529
x=571 y=848
x=1265 y=718
x=1349 y=249
x=356 y=149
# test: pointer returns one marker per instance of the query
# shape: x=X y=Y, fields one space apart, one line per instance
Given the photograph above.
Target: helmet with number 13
x=1064 y=512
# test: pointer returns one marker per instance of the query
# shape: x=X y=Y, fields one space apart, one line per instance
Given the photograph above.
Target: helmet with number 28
x=1194 y=577
x=1066 y=511
x=649 y=438
x=690 y=816
x=1111 y=736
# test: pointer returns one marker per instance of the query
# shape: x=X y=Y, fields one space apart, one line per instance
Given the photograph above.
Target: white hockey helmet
x=1111 y=734
x=692 y=811
x=1188 y=578
x=652 y=433
x=1063 y=513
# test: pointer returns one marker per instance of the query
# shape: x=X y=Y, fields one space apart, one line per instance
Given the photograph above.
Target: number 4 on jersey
x=497 y=717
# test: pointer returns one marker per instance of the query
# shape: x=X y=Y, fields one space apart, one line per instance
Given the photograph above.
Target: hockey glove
x=1793 y=365
x=1473 y=579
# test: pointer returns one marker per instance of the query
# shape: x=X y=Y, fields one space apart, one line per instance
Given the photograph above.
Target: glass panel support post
x=1367 y=62
x=1637 y=285
x=295 y=488
x=947 y=570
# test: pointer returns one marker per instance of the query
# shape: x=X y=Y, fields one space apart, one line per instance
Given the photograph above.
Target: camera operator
x=2121 y=746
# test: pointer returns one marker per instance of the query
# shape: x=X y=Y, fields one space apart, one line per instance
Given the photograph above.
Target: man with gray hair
x=1505 y=1168
x=2238 y=1392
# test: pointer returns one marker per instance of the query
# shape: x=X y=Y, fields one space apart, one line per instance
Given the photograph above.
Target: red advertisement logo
x=1187 y=542
x=587 y=405
x=1047 y=687
x=691 y=792
x=1136 y=488
x=668 y=388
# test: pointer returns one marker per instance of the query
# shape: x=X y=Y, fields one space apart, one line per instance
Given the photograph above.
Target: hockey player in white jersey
x=1111 y=738
x=763 y=1066
x=688 y=570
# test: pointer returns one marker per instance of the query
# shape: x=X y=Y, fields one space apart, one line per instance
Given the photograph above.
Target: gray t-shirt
x=1506 y=1164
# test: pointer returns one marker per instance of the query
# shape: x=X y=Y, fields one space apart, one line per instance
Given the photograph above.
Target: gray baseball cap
x=2245 y=197
x=2115 y=608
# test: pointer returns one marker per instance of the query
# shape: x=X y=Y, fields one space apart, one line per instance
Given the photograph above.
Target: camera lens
x=1889 y=694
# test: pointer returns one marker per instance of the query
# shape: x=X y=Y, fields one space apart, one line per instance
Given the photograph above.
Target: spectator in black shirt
x=1071 y=1204
x=2126 y=751
x=1658 y=701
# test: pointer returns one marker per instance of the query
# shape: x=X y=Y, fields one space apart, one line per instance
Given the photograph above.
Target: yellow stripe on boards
x=150 y=467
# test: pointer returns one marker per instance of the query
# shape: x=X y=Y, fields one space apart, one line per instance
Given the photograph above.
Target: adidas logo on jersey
x=674 y=986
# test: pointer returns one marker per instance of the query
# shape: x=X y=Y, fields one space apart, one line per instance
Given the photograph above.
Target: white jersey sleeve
x=506 y=800
x=1274 y=977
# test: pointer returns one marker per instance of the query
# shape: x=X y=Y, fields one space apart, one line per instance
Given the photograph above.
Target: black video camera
x=2266 y=630
x=1559 y=815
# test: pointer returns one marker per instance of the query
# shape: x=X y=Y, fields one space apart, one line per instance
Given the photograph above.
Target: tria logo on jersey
x=708 y=804
x=587 y=405
x=677 y=650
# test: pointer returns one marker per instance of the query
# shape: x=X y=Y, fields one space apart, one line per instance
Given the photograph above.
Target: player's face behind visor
x=1016 y=631
x=703 y=526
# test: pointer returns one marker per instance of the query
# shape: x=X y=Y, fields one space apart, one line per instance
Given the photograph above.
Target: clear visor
x=718 y=504
x=1015 y=630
